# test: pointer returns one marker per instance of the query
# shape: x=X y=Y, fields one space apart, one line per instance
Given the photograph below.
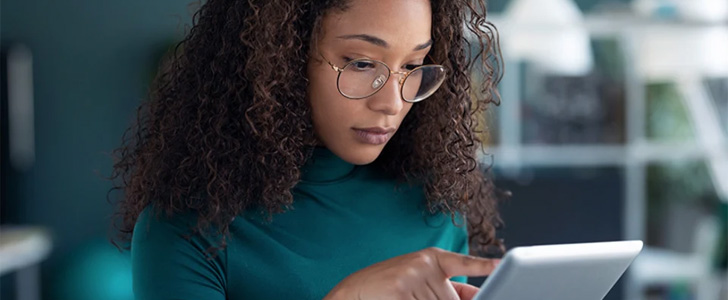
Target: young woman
x=314 y=149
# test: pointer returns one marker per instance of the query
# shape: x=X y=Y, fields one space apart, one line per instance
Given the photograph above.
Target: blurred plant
x=677 y=184
x=718 y=88
x=667 y=119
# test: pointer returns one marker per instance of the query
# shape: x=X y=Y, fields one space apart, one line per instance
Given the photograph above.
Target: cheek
x=328 y=108
x=405 y=110
x=319 y=92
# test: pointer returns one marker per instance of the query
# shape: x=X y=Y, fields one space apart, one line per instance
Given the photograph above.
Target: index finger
x=455 y=264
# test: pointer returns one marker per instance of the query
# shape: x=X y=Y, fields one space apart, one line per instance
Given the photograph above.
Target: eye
x=413 y=64
x=363 y=65
x=360 y=65
x=411 y=67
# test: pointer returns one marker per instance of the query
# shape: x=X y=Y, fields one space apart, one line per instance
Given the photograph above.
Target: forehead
x=401 y=23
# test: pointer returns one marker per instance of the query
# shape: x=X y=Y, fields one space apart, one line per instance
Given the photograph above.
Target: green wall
x=92 y=63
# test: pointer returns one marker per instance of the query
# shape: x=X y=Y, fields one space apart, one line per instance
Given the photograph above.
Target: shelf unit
x=711 y=144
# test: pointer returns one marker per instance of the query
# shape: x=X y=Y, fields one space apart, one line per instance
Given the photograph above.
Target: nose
x=388 y=100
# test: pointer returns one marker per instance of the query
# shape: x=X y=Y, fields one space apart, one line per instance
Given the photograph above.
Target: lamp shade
x=548 y=33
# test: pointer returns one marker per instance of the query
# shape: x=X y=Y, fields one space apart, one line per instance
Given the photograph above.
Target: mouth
x=374 y=135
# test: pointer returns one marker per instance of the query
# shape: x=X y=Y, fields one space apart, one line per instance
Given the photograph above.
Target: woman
x=313 y=149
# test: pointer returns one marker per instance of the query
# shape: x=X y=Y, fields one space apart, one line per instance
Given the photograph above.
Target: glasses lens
x=362 y=78
x=422 y=83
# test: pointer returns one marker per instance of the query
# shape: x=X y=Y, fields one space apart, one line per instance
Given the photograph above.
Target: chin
x=361 y=155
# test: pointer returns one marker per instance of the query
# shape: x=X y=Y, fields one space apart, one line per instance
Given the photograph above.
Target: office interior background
x=613 y=125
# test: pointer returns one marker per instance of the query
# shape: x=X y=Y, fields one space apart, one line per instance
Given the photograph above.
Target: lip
x=374 y=135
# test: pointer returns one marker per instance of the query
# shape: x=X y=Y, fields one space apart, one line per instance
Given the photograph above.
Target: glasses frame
x=402 y=79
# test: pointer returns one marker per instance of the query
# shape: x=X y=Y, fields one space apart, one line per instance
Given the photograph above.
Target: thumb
x=464 y=290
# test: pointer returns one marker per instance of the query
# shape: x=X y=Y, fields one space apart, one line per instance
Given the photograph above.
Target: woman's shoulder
x=156 y=228
x=165 y=251
x=152 y=219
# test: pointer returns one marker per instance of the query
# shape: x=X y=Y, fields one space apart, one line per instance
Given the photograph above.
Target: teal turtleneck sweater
x=344 y=218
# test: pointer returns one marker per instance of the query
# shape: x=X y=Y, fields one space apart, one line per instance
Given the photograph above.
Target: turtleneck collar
x=325 y=166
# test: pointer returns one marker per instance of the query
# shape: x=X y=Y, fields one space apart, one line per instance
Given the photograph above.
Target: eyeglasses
x=361 y=78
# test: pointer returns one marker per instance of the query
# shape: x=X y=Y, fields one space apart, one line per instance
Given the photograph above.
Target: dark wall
x=562 y=205
x=92 y=63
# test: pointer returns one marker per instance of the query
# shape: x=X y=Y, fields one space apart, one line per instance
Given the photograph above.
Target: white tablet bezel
x=565 y=271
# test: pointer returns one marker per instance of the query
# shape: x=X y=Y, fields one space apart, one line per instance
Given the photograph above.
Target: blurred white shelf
x=612 y=23
x=663 y=267
x=22 y=247
x=596 y=155
x=664 y=48
x=657 y=266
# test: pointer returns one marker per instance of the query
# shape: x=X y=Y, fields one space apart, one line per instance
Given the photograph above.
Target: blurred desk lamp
x=549 y=33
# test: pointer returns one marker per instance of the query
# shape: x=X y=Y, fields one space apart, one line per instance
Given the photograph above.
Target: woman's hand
x=421 y=275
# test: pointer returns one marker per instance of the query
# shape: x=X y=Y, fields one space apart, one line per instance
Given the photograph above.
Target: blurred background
x=613 y=125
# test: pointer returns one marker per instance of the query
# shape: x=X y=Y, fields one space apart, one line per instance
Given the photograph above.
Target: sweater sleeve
x=169 y=265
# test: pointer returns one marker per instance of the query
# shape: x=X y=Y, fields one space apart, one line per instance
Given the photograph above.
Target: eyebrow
x=380 y=42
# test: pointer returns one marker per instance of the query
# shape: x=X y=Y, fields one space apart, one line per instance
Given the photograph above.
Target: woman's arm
x=166 y=265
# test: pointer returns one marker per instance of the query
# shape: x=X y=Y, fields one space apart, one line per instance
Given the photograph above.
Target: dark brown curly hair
x=227 y=127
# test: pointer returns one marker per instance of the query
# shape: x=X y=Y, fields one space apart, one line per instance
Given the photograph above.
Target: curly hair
x=227 y=126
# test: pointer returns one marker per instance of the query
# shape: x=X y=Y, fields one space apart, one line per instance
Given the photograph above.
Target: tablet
x=565 y=272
